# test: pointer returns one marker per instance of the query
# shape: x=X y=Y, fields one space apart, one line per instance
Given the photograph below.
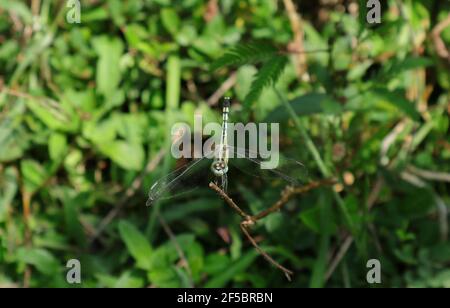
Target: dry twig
x=430 y=175
x=227 y=85
x=250 y=220
x=297 y=44
x=439 y=44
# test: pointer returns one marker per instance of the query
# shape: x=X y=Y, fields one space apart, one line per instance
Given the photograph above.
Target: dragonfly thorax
x=219 y=168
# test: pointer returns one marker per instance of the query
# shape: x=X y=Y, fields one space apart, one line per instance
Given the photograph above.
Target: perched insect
x=185 y=178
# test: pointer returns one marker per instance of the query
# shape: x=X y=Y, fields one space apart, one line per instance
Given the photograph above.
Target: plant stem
x=173 y=82
x=316 y=155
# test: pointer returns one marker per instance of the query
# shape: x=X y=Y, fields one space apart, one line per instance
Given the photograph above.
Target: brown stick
x=429 y=175
x=249 y=220
x=297 y=43
x=287 y=273
x=26 y=200
x=288 y=193
x=228 y=200
x=227 y=85
x=439 y=44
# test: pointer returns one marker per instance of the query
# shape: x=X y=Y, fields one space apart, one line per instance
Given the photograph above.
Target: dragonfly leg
x=225 y=183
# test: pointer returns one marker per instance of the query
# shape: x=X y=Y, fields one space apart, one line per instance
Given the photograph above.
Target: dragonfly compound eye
x=219 y=168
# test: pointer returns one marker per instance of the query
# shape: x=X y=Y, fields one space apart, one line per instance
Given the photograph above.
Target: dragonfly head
x=219 y=168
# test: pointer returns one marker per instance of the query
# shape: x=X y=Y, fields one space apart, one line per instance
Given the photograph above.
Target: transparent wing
x=288 y=169
x=187 y=174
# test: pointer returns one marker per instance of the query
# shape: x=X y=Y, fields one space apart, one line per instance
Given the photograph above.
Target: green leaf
x=18 y=8
x=33 y=174
x=164 y=278
x=410 y=63
x=53 y=114
x=320 y=266
x=304 y=105
x=127 y=280
x=9 y=184
x=71 y=219
x=170 y=20
x=129 y=156
x=235 y=268
x=57 y=146
x=245 y=54
x=397 y=99
x=108 y=76
x=137 y=245
x=216 y=263
x=311 y=218
x=268 y=75
x=42 y=259
x=116 y=7
x=185 y=209
x=13 y=140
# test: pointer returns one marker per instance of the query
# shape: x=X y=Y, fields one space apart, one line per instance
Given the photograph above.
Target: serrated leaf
x=245 y=54
x=269 y=74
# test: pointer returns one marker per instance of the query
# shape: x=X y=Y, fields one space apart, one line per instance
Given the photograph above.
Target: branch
x=249 y=220
x=290 y=192
x=287 y=273
x=228 y=200
x=439 y=44
x=227 y=85
x=430 y=175
x=297 y=44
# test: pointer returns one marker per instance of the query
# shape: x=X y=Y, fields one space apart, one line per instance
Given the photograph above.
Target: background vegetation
x=85 y=112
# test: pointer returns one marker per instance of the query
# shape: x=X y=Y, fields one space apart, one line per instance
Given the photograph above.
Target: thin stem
x=288 y=273
x=288 y=193
x=251 y=220
x=178 y=248
x=173 y=81
x=316 y=155
x=308 y=141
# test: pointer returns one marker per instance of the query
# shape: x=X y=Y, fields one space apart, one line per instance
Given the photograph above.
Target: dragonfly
x=289 y=170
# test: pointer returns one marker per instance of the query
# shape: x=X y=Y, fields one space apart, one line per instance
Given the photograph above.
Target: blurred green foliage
x=84 y=108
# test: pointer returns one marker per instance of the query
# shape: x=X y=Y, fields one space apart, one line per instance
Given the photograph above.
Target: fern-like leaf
x=267 y=75
x=242 y=54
